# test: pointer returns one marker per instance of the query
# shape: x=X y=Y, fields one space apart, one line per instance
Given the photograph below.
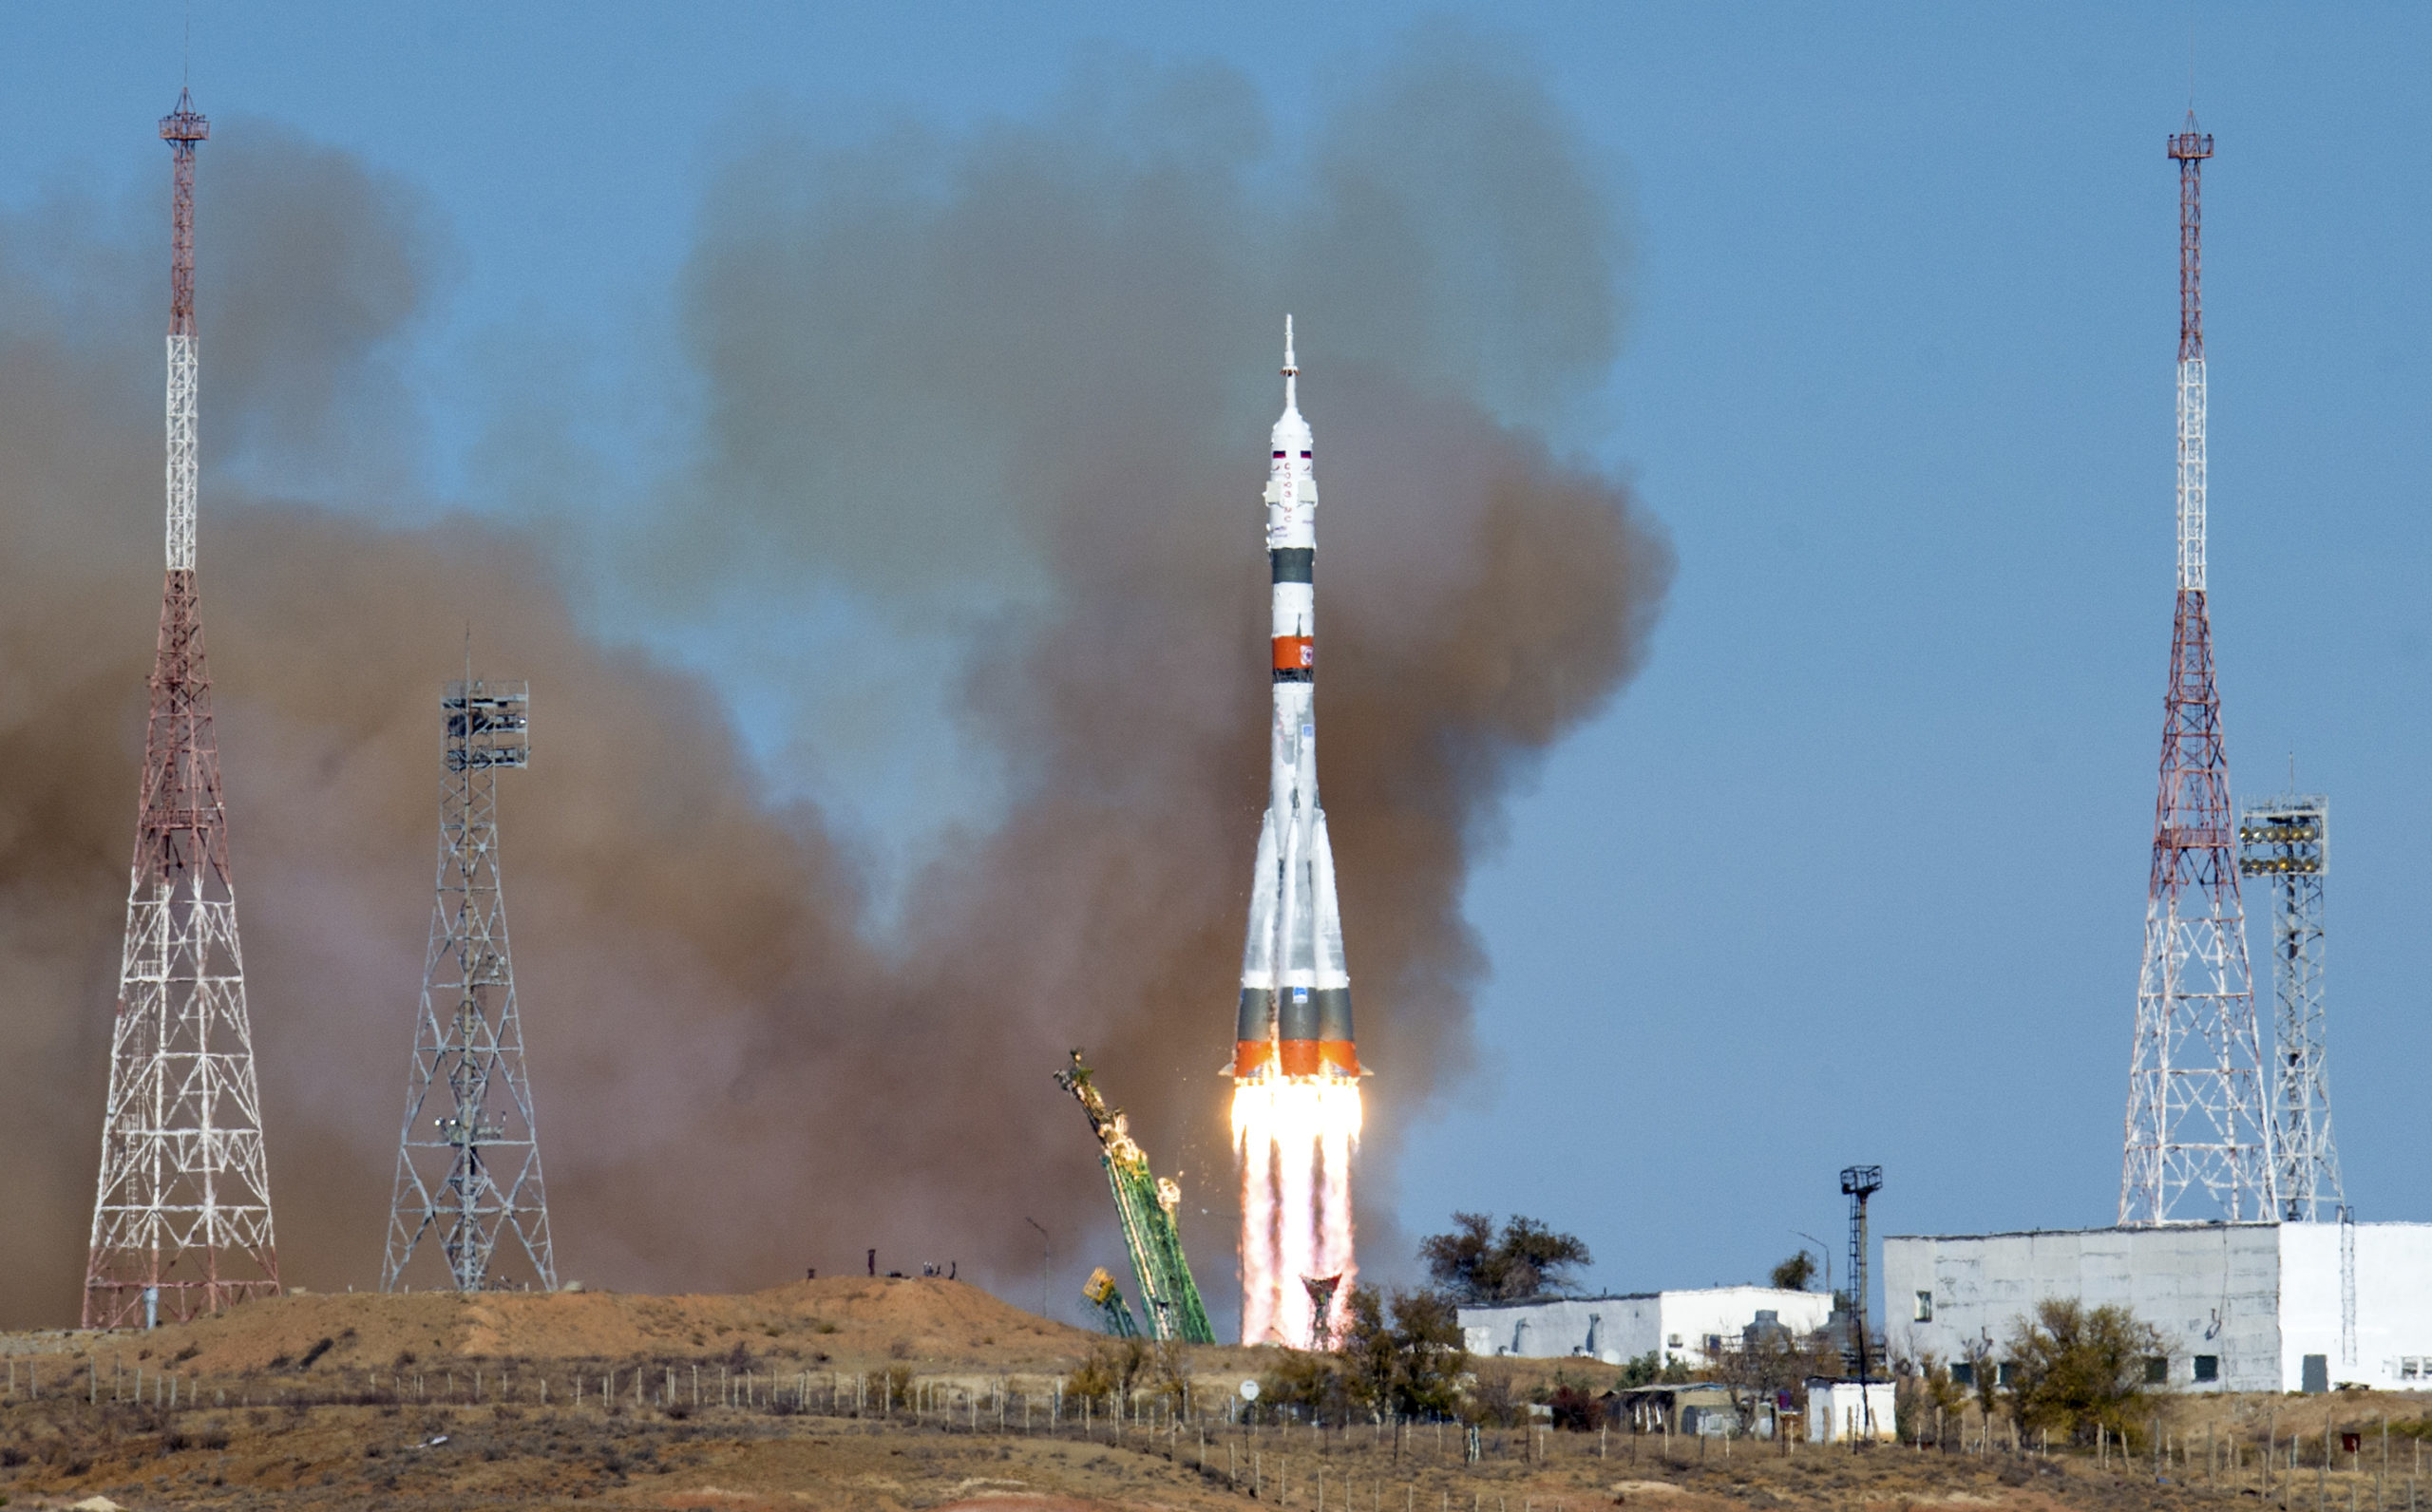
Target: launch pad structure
x=469 y=1155
x=1114 y=1313
x=1144 y=1203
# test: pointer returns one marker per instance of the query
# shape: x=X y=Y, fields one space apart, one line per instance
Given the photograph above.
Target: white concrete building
x=2241 y=1307
x=1838 y=1411
x=1690 y=1326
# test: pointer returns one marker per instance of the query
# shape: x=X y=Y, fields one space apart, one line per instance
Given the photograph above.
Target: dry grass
x=347 y=1429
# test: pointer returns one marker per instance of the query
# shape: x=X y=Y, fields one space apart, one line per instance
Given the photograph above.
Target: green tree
x=1371 y=1361
x=1311 y=1380
x=1794 y=1274
x=1402 y=1353
x=1527 y=1259
x=1428 y=1329
x=1652 y=1368
x=1110 y=1373
x=2073 y=1368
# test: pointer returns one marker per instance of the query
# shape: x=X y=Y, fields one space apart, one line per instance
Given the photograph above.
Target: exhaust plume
x=991 y=403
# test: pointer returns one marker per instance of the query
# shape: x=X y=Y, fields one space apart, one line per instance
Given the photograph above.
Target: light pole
x=1047 y=1277
x=1828 y=1258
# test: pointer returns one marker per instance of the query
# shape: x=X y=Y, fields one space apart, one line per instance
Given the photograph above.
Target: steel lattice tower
x=469 y=1155
x=1859 y=1183
x=181 y=1222
x=2286 y=840
x=2195 y=1108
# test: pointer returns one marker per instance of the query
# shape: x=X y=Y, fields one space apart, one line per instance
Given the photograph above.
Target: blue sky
x=1855 y=870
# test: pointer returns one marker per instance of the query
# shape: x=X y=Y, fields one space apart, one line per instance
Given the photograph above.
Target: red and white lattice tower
x=2198 y=1144
x=181 y=1219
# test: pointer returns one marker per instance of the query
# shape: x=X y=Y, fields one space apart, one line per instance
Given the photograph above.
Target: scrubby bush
x=2074 y=1368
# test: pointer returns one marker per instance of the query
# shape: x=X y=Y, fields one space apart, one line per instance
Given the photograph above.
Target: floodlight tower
x=2196 y=1109
x=469 y=1157
x=1859 y=1183
x=2286 y=841
x=181 y=1223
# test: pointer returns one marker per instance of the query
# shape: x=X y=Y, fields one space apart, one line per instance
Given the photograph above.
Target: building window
x=2004 y=1372
x=1925 y=1306
x=1963 y=1374
x=2207 y=1366
x=2409 y=1367
x=1714 y=1344
x=1673 y=1342
x=2156 y=1371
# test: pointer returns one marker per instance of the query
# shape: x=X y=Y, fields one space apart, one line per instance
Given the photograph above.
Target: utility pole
x=2195 y=1111
x=181 y=1219
x=469 y=1155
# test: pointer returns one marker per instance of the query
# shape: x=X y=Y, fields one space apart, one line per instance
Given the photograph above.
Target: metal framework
x=469 y=1154
x=1114 y=1315
x=181 y=1218
x=2347 y=1285
x=2197 y=1117
x=1859 y=1183
x=1144 y=1203
x=1321 y=1294
x=2286 y=842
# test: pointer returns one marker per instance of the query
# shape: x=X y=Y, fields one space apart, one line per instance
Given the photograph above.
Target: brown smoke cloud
x=1005 y=393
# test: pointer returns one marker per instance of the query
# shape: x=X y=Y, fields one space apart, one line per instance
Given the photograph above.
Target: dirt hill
x=846 y=1323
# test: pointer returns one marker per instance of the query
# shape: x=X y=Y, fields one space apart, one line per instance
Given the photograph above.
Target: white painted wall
x=2393 y=1304
x=1836 y=1412
x=1674 y=1325
x=2208 y=1289
x=1691 y=1316
x=2258 y=1296
x=1612 y=1329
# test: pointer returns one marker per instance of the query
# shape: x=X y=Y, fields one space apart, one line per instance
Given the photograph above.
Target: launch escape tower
x=2195 y=1111
x=1145 y=1203
x=468 y=1156
x=182 y=1217
x=2286 y=841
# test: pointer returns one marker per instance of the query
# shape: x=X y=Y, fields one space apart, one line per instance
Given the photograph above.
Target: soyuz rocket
x=1296 y=992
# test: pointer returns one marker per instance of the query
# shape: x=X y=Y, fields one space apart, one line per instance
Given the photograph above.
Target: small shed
x=1690 y=1407
x=1838 y=1411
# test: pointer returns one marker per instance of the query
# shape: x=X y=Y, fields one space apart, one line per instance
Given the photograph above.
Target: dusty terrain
x=923 y=1393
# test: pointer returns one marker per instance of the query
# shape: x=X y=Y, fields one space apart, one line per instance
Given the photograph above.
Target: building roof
x=1632 y=1296
x=2100 y=1228
x=2151 y=1228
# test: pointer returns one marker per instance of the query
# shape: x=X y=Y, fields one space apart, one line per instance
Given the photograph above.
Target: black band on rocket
x=1257 y=1019
x=1333 y=1012
x=1294 y=564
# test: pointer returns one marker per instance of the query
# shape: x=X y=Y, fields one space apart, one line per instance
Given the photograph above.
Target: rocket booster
x=1296 y=992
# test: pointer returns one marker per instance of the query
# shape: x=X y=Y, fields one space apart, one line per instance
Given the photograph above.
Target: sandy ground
x=440 y=1402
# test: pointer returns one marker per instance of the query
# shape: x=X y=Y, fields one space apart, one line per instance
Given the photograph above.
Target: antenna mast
x=469 y=1155
x=2195 y=1110
x=181 y=1219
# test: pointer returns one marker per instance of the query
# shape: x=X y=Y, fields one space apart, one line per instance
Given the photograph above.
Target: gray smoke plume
x=1002 y=396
